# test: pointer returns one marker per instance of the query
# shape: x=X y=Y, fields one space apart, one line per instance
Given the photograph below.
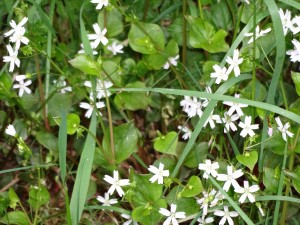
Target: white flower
x=218 y=197
x=106 y=201
x=101 y=91
x=204 y=202
x=235 y=106
x=234 y=63
x=258 y=33
x=10 y=130
x=295 y=54
x=296 y=29
x=19 y=37
x=286 y=20
x=115 y=48
x=246 y=192
x=230 y=178
x=81 y=51
x=211 y=120
x=209 y=168
x=283 y=128
x=16 y=28
x=116 y=183
x=100 y=3
x=220 y=74
x=229 y=122
x=12 y=58
x=159 y=173
x=62 y=86
x=129 y=220
x=171 y=61
x=91 y=107
x=192 y=106
x=98 y=36
x=172 y=215
x=187 y=132
x=23 y=87
x=248 y=127
x=203 y=221
x=226 y=216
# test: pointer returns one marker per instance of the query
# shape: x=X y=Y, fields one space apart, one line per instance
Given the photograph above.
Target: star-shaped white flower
x=172 y=215
x=234 y=63
x=10 y=130
x=100 y=3
x=211 y=120
x=159 y=173
x=230 y=178
x=19 y=37
x=204 y=201
x=286 y=20
x=106 y=201
x=246 y=192
x=81 y=51
x=22 y=86
x=90 y=107
x=220 y=74
x=192 y=106
x=16 y=28
x=228 y=121
x=248 y=127
x=171 y=61
x=116 y=183
x=283 y=128
x=101 y=87
x=258 y=33
x=98 y=36
x=296 y=21
x=294 y=54
x=209 y=168
x=235 y=106
x=226 y=216
x=12 y=58
x=186 y=132
x=129 y=220
x=115 y=48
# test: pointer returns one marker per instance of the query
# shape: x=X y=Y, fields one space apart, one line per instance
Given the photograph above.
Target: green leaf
x=38 y=196
x=57 y=102
x=73 y=122
x=197 y=155
x=48 y=140
x=276 y=144
x=149 y=215
x=295 y=177
x=296 y=79
x=202 y=35
x=16 y=218
x=193 y=187
x=86 y=64
x=112 y=21
x=167 y=143
x=146 y=38
x=125 y=141
x=111 y=70
x=13 y=197
x=270 y=179
x=260 y=91
x=132 y=100
x=248 y=159
x=5 y=85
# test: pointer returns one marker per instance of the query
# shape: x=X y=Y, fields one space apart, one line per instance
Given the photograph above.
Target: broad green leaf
x=38 y=196
x=4 y=203
x=221 y=15
x=193 y=187
x=16 y=218
x=111 y=69
x=197 y=155
x=48 y=140
x=276 y=144
x=132 y=100
x=260 y=91
x=86 y=64
x=166 y=144
x=125 y=141
x=296 y=79
x=146 y=38
x=13 y=197
x=248 y=159
x=73 y=122
x=5 y=85
x=270 y=179
x=112 y=21
x=57 y=102
x=203 y=35
x=175 y=30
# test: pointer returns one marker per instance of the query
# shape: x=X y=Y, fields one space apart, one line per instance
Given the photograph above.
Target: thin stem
x=254 y=53
x=146 y=8
x=184 y=34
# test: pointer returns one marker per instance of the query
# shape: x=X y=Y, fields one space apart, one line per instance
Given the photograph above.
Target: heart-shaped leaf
x=249 y=159
x=166 y=144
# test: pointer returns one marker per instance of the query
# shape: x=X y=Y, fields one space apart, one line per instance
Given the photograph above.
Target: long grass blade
x=62 y=146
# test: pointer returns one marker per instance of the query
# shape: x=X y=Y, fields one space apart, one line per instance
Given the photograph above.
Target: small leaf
x=166 y=144
x=13 y=197
x=296 y=79
x=112 y=21
x=38 y=196
x=249 y=159
x=73 y=122
x=86 y=64
x=48 y=140
x=16 y=218
x=193 y=187
x=270 y=179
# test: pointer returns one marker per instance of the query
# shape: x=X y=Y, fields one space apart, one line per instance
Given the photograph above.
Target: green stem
x=184 y=35
x=254 y=53
x=146 y=8
x=200 y=9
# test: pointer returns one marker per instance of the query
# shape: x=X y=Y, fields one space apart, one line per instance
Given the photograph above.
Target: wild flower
x=10 y=130
x=116 y=183
x=16 y=28
x=205 y=200
x=220 y=74
x=61 y=84
x=234 y=63
x=91 y=106
x=226 y=216
x=186 y=132
x=81 y=51
x=294 y=54
x=100 y=3
x=98 y=36
x=101 y=87
x=235 y=106
x=283 y=128
x=203 y=220
x=192 y=106
x=22 y=86
x=171 y=61
x=230 y=178
x=211 y=120
x=258 y=33
x=115 y=48
x=228 y=121
x=246 y=192
x=12 y=58
x=248 y=127
x=172 y=215
x=286 y=20
x=106 y=201
x=209 y=168
x=159 y=173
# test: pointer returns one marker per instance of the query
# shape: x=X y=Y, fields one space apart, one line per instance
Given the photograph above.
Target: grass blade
x=62 y=146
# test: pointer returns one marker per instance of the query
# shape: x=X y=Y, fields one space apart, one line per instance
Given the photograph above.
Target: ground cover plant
x=150 y=112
